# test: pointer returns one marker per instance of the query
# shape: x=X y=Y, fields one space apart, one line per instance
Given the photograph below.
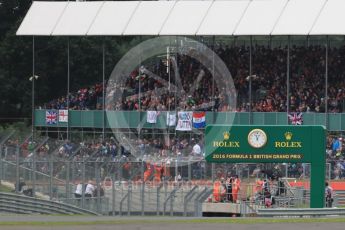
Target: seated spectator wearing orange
x=236 y=188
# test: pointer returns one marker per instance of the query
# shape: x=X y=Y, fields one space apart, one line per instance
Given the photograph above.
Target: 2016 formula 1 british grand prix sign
x=271 y=144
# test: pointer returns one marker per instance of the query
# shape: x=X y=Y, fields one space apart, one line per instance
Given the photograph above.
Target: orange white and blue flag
x=199 y=120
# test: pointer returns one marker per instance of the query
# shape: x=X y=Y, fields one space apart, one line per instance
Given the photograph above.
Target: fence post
x=129 y=200
x=189 y=169
x=172 y=205
x=113 y=194
x=17 y=169
x=83 y=183
x=212 y=171
x=97 y=174
x=176 y=168
x=158 y=198
x=329 y=171
x=67 y=179
x=142 y=189
x=34 y=172
x=51 y=165
x=1 y=165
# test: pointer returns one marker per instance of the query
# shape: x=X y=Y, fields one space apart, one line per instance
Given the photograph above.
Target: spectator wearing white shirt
x=79 y=191
x=196 y=149
x=90 y=189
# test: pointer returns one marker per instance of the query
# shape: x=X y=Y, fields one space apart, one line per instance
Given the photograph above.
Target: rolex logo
x=288 y=136
x=226 y=135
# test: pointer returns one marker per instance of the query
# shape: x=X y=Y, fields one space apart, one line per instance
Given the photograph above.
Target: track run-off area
x=26 y=222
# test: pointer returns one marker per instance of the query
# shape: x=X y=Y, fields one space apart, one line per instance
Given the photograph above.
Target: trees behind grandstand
x=51 y=62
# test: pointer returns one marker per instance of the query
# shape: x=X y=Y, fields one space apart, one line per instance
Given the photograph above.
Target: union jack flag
x=51 y=117
x=296 y=118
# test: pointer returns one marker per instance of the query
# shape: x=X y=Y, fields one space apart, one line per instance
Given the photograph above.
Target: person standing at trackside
x=236 y=185
x=90 y=189
x=79 y=190
x=228 y=184
x=329 y=195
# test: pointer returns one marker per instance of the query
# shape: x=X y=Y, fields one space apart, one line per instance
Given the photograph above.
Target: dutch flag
x=199 y=120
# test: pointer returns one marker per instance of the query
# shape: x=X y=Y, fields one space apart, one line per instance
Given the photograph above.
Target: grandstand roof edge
x=42 y=18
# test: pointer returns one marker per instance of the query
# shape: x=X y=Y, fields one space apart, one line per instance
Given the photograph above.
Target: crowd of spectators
x=156 y=149
x=195 y=89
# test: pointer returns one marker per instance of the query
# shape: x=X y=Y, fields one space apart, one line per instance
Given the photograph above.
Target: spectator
x=329 y=195
x=90 y=189
x=79 y=191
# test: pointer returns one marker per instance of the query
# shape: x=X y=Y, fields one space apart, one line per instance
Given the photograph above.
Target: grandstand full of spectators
x=307 y=84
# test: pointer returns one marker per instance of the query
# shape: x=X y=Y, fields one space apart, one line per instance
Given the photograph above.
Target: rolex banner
x=185 y=121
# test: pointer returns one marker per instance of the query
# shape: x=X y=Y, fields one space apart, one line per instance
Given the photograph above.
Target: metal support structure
x=129 y=198
x=1 y=164
x=213 y=171
x=33 y=89
x=203 y=193
x=176 y=168
x=142 y=189
x=17 y=169
x=113 y=195
x=158 y=198
x=189 y=170
x=326 y=82
x=250 y=80
x=34 y=173
x=98 y=182
x=169 y=198
x=288 y=79
x=51 y=169
x=68 y=167
x=121 y=203
x=187 y=198
x=213 y=84
x=103 y=96
x=83 y=183
x=68 y=81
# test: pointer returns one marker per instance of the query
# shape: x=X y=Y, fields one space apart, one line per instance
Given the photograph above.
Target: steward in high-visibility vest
x=157 y=172
x=258 y=186
x=147 y=172
x=218 y=191
x=236 y=185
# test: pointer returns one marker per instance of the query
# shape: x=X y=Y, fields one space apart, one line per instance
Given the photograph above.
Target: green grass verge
x=177 y=221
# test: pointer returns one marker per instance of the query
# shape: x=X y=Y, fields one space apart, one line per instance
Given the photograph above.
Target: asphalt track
x=24 y=222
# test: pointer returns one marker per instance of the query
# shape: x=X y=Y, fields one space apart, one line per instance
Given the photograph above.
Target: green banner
x=260 y=143
x=271 y=144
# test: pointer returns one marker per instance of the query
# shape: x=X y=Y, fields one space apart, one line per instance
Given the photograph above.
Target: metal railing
x=301 y=212
x=23 y=204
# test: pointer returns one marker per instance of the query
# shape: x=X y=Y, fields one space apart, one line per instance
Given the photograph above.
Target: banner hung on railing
x=185 y=121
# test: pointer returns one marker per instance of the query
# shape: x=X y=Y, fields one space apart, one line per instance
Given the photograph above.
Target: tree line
x=50 y=63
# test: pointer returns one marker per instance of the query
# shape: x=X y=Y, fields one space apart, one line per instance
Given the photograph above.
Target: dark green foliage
x=50 y=62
